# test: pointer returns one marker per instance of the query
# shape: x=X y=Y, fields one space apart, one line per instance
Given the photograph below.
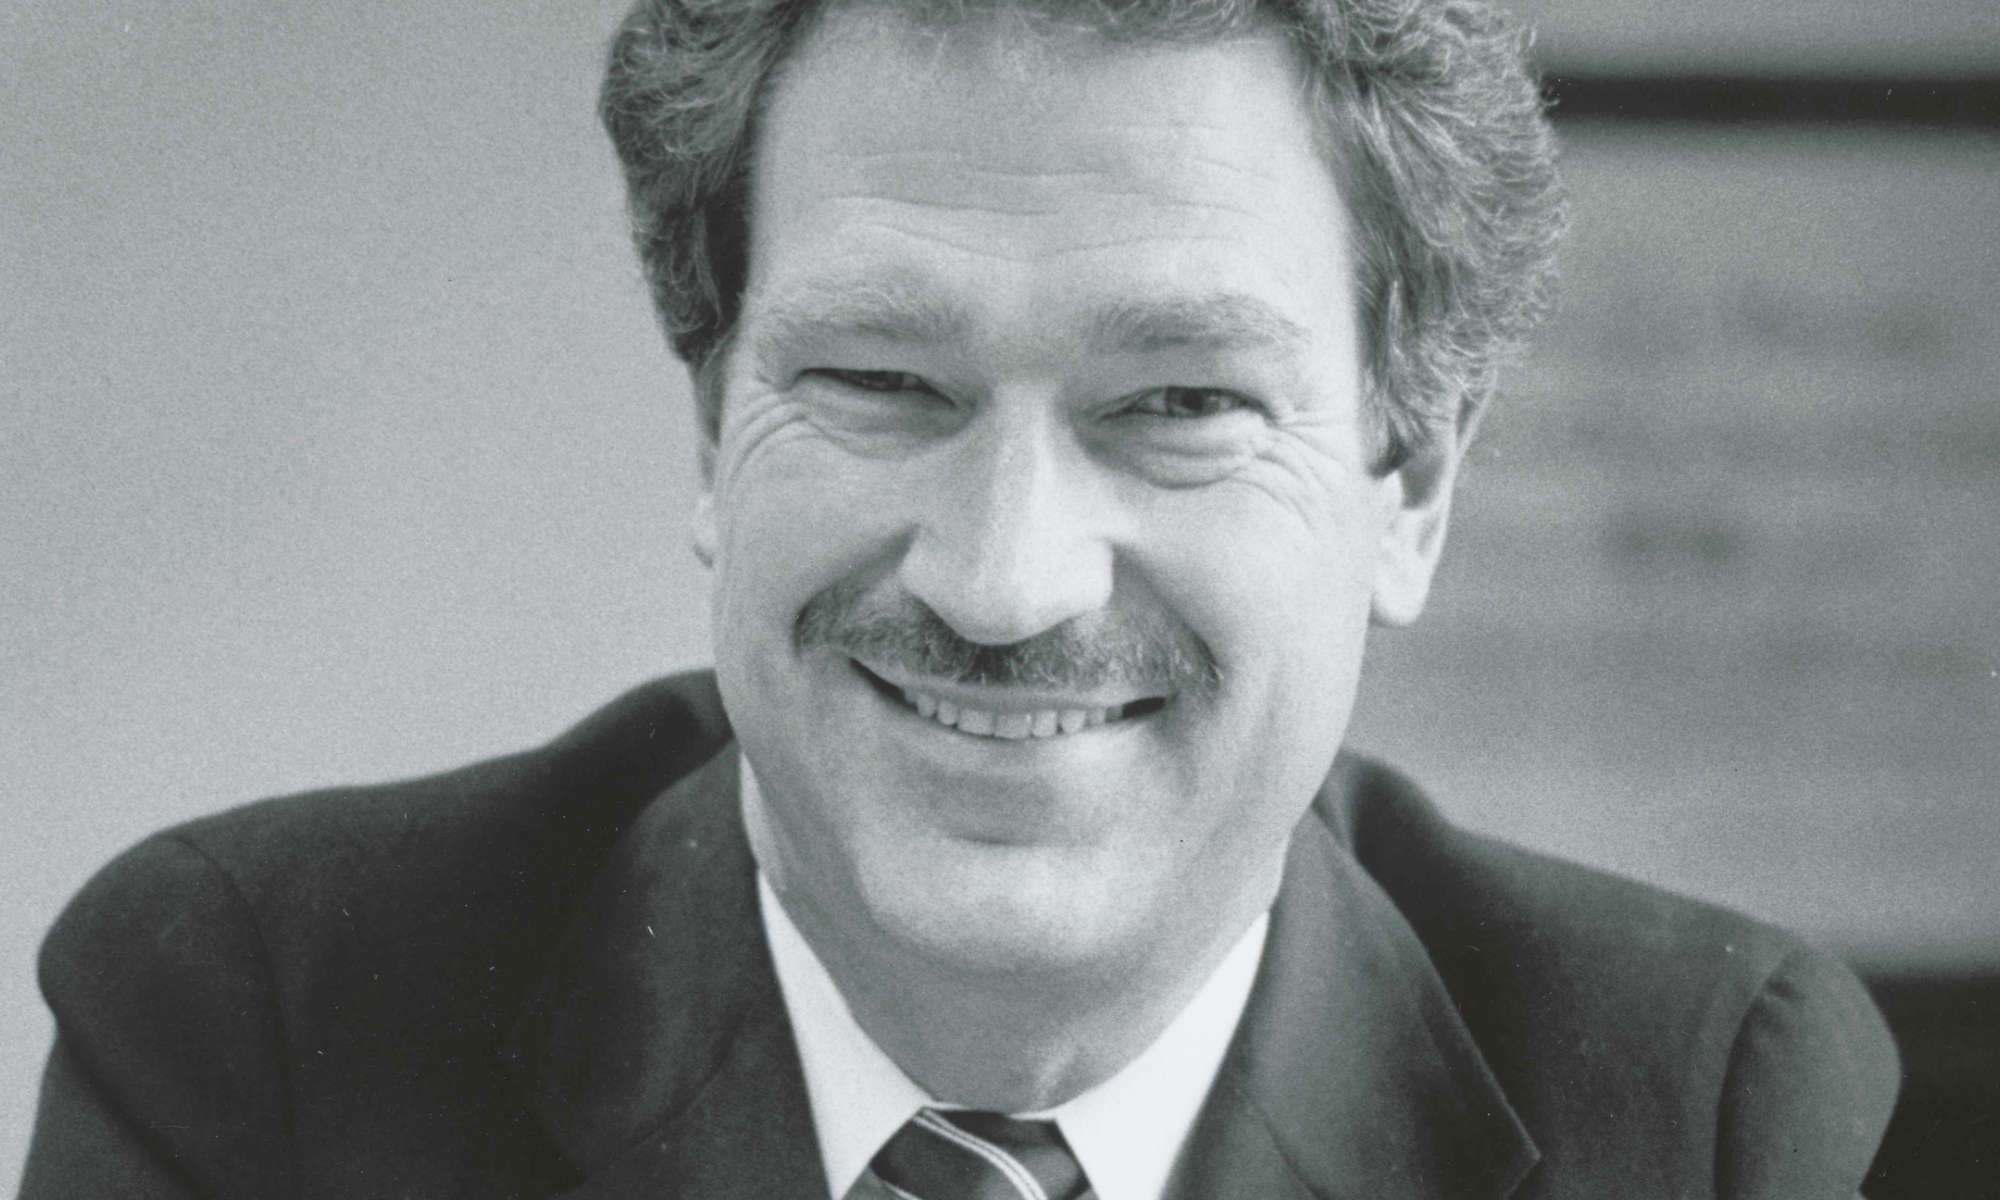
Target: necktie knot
x=955 y=1155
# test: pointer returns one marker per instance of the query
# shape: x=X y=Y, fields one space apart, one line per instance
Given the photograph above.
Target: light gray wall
x=337 y=443
x=338 y=440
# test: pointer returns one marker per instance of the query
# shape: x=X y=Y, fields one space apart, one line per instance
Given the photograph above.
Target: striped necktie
x=941 y=1155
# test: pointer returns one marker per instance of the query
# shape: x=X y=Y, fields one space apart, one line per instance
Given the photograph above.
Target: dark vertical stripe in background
x=1962 y=102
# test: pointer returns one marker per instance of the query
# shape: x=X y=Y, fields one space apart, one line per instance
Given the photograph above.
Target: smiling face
x=1042 y=517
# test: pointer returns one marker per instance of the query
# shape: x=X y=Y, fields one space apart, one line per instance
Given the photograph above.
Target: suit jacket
x=545 y=975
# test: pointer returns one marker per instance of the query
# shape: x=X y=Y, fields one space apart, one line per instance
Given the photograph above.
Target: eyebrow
x=892 y=307
x=901 y=307
x=1218 y=321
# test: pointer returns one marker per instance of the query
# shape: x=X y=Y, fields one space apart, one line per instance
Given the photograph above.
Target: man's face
x=1043 y=417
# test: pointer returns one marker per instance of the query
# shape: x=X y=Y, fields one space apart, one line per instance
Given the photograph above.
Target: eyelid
x=1244 y=403
x=860 y=378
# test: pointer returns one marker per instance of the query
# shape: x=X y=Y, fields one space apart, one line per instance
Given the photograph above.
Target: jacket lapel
x=1351 y=1074
x=661 y=1058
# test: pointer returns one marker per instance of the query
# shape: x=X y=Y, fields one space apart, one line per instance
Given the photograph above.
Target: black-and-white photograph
x=960 y=599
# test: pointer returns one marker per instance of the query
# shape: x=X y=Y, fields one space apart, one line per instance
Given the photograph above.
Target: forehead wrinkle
x=987 y=205
x=963 y=195
x=961 y=181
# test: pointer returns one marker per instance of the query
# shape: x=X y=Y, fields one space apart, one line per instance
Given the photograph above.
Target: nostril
x=996 y=602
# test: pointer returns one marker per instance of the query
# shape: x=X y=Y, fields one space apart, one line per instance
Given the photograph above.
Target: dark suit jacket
x=545 y=975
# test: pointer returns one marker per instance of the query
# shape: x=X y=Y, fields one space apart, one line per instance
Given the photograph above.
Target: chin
x=1004 y=910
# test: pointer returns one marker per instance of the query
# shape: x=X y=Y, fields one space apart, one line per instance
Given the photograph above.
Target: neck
x=1013 y=1041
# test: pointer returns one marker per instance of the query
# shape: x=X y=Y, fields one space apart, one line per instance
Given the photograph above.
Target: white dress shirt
x=1126 y=1131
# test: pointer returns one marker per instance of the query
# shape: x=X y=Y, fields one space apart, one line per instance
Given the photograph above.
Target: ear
x=702 y=529
x=1413 y=538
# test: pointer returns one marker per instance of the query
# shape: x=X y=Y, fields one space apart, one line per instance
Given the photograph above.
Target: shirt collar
x=1126 y=1131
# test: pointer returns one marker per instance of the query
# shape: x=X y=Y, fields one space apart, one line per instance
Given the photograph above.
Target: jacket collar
x=662 y=1061
x=1351 y=1074
x=659 y=1052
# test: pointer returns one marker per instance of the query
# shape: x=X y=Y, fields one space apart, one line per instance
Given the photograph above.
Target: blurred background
x=337 y=443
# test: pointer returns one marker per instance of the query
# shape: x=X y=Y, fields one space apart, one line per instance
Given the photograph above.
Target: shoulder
x=346 y=960
x=534 y=810
x=1610 y=1008
x=493 y=823
x=421 y=876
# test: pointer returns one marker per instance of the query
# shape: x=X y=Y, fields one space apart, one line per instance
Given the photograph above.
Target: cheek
x=1283 y=604
x=794 y=516
x=1267 y=572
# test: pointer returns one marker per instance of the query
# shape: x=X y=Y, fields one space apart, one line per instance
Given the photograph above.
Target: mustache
x=1091 y=651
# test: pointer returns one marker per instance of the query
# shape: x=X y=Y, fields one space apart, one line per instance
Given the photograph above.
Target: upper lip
x=1007 y=699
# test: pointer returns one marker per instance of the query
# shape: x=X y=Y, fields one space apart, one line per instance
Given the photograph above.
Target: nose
x=1013 y=539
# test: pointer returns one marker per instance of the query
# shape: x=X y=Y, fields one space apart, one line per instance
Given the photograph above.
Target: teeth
x=1013 y=726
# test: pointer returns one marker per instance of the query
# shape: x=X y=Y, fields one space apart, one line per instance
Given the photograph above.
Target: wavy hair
x=1428 y=116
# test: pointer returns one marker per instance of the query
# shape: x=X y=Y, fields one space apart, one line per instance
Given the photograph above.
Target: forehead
x=1021 y=174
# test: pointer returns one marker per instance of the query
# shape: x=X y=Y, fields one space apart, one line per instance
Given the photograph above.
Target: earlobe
x=702 y=528
x=1410 y=549
x=1413 y=538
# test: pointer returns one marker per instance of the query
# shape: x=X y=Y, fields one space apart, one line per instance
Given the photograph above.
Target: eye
x=874 y=381
x=1184 y=403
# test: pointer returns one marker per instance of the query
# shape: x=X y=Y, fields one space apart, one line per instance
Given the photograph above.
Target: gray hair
x=1426 y=110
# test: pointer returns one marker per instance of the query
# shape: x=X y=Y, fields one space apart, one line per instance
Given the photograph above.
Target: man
x=1079 y=384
